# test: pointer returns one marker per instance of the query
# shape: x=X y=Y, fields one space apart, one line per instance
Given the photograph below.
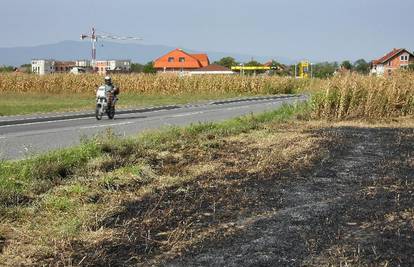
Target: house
x=111 y=66
x=83 y=63
x=43 y=66
x=274 y=65
x=179 y=61
x=212 y=69
x=47 y=66
x=64 y=66
x=394 y=60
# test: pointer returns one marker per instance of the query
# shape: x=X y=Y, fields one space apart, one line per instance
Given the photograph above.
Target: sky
x=321 y=30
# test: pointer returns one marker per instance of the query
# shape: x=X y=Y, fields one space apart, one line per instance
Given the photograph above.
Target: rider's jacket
x=108 y=88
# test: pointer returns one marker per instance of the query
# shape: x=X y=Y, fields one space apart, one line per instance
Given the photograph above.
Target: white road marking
x=186 y=114
x=106 y=125
x=155 y=111
x=234 y=108
x=40 y=122
x=163 y=117
x=75 y=119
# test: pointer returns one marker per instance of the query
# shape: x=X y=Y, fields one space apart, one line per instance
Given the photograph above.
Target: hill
x=69 y=50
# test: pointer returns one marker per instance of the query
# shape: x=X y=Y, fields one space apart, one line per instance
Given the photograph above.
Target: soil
x=352 y=205
x=329 y=217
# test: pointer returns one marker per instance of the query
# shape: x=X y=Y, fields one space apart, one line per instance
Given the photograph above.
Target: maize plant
x=357 y=96
x=165 y=84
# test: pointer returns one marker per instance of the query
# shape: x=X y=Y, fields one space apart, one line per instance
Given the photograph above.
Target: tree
x=361 y=66
x=227 y=62
x=253 y=63
x=411 y=67
x=347 y=65
x=7 y=68
x=278 y=69
x=324 y=69
x=149 y=68
x=136 y=67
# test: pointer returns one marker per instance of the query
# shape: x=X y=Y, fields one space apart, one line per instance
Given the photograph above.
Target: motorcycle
x=105 y=103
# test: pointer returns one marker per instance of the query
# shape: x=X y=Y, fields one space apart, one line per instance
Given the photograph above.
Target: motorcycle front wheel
x=98 y=112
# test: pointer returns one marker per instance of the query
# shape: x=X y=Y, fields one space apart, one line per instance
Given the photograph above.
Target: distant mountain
x=71 y=50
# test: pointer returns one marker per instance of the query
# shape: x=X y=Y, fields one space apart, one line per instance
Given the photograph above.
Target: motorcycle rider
x=110 y=87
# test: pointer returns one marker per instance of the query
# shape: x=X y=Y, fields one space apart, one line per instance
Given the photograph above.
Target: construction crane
x=93 y=36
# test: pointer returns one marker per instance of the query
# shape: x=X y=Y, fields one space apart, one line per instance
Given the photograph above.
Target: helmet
x=108 y=80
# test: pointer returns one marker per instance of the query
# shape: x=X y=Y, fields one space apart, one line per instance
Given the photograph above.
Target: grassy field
x=57 y=190
x=153 y=198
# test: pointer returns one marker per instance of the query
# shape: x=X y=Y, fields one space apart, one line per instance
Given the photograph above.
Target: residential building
x=64 y=66
x=212 y=69
x=396 y=59
x=83 y=63
x=180 y=61
x=43 y=66
x=111 y=66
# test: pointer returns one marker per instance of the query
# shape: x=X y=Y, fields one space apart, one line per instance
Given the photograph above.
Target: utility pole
x=311 y=70
x=295 y=72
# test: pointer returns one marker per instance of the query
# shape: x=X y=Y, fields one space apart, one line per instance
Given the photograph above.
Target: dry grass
x=150 y=203
x=66 y=223
x=92 y=208
x=356 y=96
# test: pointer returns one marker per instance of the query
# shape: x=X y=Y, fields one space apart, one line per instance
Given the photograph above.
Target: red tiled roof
x=203 y=58
x=191 y=61
x=395 y=52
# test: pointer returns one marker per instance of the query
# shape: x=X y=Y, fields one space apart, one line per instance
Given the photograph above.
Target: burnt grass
x=353 y=204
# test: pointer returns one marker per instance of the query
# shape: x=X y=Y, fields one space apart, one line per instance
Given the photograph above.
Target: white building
x=212 y=69
x=104 y=66
x=83 y=63
x=43 y=66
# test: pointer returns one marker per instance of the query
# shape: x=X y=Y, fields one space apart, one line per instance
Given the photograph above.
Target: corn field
x=340 y=97
x=166 y=84
x=356 y=96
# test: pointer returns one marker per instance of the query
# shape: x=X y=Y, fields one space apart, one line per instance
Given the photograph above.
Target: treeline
x=24 y=68
x=7 y=68
x=327 y=69
x=319 y=70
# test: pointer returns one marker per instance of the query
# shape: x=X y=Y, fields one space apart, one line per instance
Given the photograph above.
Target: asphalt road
x=30 y=137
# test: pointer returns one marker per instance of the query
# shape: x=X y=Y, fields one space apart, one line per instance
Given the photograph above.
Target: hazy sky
x=314 y=29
